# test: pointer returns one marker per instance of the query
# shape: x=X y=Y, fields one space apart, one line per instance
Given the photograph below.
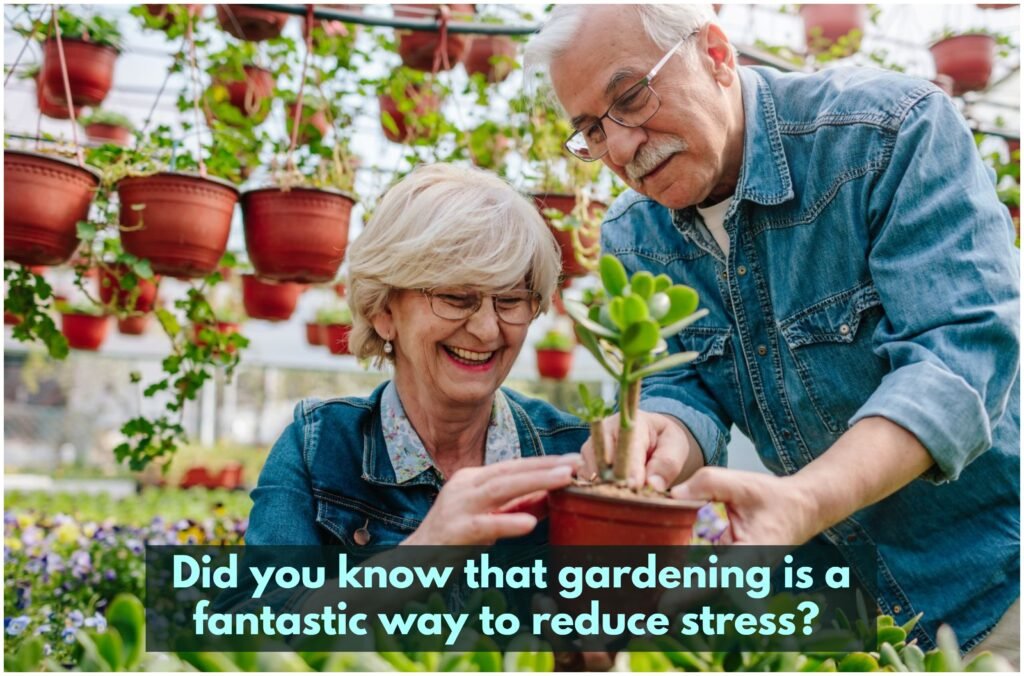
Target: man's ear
x=721 y=55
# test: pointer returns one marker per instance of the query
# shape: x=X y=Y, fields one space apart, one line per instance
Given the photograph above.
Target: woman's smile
x=470 y=360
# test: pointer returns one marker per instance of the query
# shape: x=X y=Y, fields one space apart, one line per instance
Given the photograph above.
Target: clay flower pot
x=184 y=223
x=265 y=299
x=426 y=102
x=50 y=106
x=314 y=334
x=554 y=364
x=418 y=48
x=108 y=133
x=585 y=516
x=84 y=332
x=250 y=23
x=336 y=337
x=312 y=124
x=490 y=54
x=565 y=204
x=298 y=235
x=109 y=285
x=44 y=198
x=133 y=326
x=825 y=24
x=968 y=59
x=90 y=71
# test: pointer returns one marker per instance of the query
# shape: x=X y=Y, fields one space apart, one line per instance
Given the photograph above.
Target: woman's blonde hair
x=446 y=226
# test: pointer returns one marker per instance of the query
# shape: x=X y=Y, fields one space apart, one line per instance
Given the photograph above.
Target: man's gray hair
x=665 y=25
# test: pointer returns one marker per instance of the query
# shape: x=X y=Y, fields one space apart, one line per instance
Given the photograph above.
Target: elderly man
x=863 y=294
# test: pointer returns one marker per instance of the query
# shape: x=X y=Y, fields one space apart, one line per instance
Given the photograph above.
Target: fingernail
x=681 y=492
x=656 y=482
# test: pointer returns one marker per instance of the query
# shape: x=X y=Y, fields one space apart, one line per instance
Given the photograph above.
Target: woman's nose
x=484 y=322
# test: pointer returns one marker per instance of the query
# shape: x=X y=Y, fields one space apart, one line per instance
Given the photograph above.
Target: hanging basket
x=109 y=286
x=179 y=222
x=406 y=126
x=314 y=334
x=492 y=56
x=824 y=25
x=298 y=235
x=418 y=48
x=84 y=332
x=90 y=71
x=50 y=106
x=44 y=199
x=270 y=300
x=968 y=59
x=312 y=125
x=250 y=23
x=251 y=96
x=571 y=267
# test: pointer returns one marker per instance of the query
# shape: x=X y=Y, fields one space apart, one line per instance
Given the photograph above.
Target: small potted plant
x=491 y=56
x=423 y=50
x=336 y=323
x=313 y=123
x=83 y=324
x=106 y=126
x=241 y=92
x=91 y=45
x=828 y=27
x=123 y=288
x=968 y=57
x=626 y=329
x=220 y=332
x=268 y=299
x=554 y=355
x=248 y=22
x=409 y=107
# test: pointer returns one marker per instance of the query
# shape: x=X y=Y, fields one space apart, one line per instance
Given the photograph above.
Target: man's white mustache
x=648 y=157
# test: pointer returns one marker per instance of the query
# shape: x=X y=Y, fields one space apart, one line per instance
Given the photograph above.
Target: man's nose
x=623 y=142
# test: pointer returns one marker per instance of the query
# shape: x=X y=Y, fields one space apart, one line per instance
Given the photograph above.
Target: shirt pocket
x=360 y=527
x=714 y=361
x=832 y=346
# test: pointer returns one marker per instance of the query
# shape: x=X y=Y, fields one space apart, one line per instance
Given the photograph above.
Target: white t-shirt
x=714 y=219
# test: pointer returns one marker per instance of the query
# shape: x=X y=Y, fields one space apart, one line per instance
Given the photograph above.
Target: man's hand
x=663 y=451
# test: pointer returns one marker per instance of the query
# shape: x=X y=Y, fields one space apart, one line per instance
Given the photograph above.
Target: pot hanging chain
x=190 y=38
x=290 y=162
x=67 y=86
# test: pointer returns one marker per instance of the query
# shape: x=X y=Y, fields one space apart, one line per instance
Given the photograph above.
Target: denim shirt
x=329 y=475
x=871 y=272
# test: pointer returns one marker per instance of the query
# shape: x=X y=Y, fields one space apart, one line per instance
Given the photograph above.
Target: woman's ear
x=384 y=324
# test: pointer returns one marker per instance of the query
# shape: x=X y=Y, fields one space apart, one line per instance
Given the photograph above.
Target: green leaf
x=616 y=310
x=858 y=662
x=889 y=658
x=913 y=657
x=893 y=635
x=128 y=617
x=662 y=282
x=673 y=329
x=168 y=321
x=639 y=338
x=634 y=309
x=613 y=275
x=683 y=300
x=643 y=284
x=671 y=361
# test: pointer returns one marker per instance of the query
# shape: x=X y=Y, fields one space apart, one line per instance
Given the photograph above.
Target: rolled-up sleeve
x=680 y=394
x=943 y=261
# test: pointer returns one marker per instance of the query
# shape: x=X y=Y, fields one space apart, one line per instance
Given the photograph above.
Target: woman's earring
x=388 y=349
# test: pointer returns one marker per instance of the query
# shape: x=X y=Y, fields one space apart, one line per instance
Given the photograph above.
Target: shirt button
x=786 y=434
x=897 y=609
x=741 y=270
x=852 y=537
x=762 y=350
x=844 y=329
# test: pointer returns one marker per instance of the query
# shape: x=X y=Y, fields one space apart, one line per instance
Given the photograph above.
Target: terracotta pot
x=313 y=124
x=90 y=71
x=84 y=332
x=314 y=336
x=1013 y=145
x=108 y=133
x=968 y=59
x=483 y=49
x=184 y=225
x=554 y=364
x=565 y=204
x=50 y=106
x=299 y=235
x=108 y=284
x=224 y=328
x=250 y=23
x=133 y=326
x=44 y=199
x=265 y=299
x=995 y=6
x=825 y=24
x=252 y=94
x=580 y=517
x=426 y=102
x=417 y=48
x=336 y=338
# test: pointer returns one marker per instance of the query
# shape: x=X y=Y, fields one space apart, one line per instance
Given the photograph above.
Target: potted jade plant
x=84 y=325
x=626 y=328
x=106 y=126
x=335 y=323
x=91 y=45
x=423 y=50
x=268 y=299
x=554 y=355
x=968 y=57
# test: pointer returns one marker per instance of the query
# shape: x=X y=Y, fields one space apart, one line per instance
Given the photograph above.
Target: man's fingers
x=638 y=454
x=707 y=483
x=664 y=465
x=589 y=468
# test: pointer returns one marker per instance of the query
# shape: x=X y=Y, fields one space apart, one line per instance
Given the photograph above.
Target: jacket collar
x=765 y=177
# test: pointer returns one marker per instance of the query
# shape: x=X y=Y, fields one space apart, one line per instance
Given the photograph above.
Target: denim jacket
x=871 y=272
x=329 y=475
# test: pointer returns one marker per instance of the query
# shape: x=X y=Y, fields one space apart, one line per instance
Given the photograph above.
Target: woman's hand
x=480 y=505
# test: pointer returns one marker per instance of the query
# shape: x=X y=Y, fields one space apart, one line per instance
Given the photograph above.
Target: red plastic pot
x=426 y=102
x=184 y=225
x=968 y=59
x=84 y=332
x=417 y=48
x=312 y=125
x=50 y=106
x=90 y=71
x=44 y=199
x=250 y=23
x=565 y=204
x=109 y=284
x=270 y=300
x=336 y=337
x=490 y=55
x=578 y=516
x=825 y=24
x=298 y=235
x=251 y=95
x=108 y=133
x=133 y=326
x=314 y=334
x=554 y=364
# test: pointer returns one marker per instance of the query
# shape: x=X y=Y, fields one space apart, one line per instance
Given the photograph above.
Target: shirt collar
x=410 y=458
x=765 y=177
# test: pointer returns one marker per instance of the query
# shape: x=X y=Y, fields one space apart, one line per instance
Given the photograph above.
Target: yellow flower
x=68 y=533
x=24 y=521
x=14 y=544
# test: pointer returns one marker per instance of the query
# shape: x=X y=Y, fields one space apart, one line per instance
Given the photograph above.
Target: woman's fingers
x=535 y=503
x=500 y=490
x=487 y=528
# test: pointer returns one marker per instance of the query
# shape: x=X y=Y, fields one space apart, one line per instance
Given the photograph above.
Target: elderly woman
x=444 y=282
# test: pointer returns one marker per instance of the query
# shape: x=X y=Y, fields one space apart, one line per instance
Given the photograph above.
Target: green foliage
x=103 y=116
x=592 y=407
x=30 y=298
x=89 y=27
x=556 y=340
x=333 y=314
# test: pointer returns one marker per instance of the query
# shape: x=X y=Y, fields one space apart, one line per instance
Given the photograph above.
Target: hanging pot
x=180 y=222
x=312 y=124
x=968 y=59
x=250 y=23
x=571 y=267
x=133 y=326
x=589 y=516
x=270 y=300
x=417 y=48
x=109 y=285
x=50 y=106
x=824 y=25
x=336 y=337
x=554 y=364
x=406 y=128
x=44 y=199
x=90 y=71
x=491 y=55
x=108 y=133
x=297 y=235
x=84 y=332
x=251 y=95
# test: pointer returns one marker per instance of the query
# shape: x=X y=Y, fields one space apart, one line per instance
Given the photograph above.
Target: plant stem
x=629 y=398
x=600 y=457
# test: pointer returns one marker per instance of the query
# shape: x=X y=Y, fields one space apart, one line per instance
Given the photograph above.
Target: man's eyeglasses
x=519 y=306
x=633 y=108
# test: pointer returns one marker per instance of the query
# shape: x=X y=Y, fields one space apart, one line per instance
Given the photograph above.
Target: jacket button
x=852 y=537
x=844 y=329
x=762 y=350
x=897 y=609
x=786 y=434
x=741 y=270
